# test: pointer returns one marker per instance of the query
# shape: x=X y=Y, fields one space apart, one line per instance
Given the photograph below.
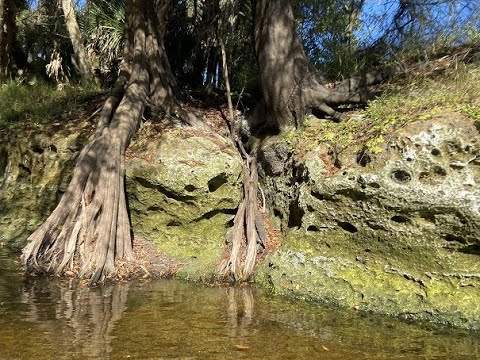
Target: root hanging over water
x=248 y=233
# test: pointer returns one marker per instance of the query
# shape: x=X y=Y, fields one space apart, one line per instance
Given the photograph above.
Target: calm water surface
x=50 y=319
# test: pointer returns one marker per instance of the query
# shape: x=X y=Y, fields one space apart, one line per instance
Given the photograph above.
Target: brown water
x=50 y=319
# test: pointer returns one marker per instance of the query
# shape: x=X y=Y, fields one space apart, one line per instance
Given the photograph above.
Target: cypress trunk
x=89 y=231
x=291 y=87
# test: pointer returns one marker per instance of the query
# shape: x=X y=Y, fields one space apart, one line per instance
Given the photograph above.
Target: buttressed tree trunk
x=291 y=87
x=76 y=39
x=89 y=230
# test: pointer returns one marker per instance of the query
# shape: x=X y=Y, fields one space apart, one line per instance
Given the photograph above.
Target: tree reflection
x=78 y=318
x=240 y=312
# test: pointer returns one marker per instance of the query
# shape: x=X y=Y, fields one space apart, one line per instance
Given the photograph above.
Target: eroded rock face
x=396 y=233
x=34 y=172
x=183 y=192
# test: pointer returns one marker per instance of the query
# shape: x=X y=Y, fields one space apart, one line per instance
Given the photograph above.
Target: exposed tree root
x=248 y=234
x=90 y=227
x=248 y=231
x=89 y=231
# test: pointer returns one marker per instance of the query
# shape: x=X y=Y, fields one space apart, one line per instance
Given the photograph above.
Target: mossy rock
x=183 y=193
x=34 y=172
x=397 y=234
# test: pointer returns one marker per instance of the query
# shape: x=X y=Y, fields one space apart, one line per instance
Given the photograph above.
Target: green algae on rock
x=397 y=234
x=34 y=171
x=183 y=192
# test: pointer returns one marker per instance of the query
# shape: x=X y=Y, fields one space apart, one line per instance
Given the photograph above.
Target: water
x=51 y=319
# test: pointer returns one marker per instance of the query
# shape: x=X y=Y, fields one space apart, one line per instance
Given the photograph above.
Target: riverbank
x=378 y=213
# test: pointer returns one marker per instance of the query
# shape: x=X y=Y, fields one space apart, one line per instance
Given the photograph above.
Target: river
x=48 y=318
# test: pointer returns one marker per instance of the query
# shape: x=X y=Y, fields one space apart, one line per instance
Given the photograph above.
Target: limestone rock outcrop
x=34 y=172
x=395 y=233
x=183 y=192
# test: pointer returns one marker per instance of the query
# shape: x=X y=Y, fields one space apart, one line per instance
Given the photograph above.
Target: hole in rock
x=216 y=182
x=3 y=162
x=363 y=159
x=348 y=227
x=37 y=150
x=473 y=249
x=229 y=223
x=190 y=188
x=439 y=171
x=174 y=223
x=317 y=195
x=154 y=208
x=277 y=213
x=24 y=170
x=374 y=185
x=296 y=215
x=313 y=228
x=401 y=219
x=401 y=176
x=455 y=238
x=53 y=148
x=436 y=152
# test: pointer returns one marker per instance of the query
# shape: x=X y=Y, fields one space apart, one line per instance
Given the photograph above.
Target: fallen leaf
x=241 y=346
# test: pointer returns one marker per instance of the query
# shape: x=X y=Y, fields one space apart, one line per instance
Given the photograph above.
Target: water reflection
x=240 y=312
x=50 y=319
x=82 y=318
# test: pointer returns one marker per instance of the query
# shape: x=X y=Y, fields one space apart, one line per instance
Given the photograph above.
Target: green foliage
x=42 y=37
x=329 y=31
x=345 y=37
x=104 y=24
x=26 y=106
x=240 y=49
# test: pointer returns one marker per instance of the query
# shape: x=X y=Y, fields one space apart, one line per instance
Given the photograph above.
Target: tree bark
x=291 y=87
x=89 y=231
x=81 y=59
x=8 y=12
x=3 y=50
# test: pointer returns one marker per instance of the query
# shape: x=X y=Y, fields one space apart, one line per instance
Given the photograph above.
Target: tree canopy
x=340 y=37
